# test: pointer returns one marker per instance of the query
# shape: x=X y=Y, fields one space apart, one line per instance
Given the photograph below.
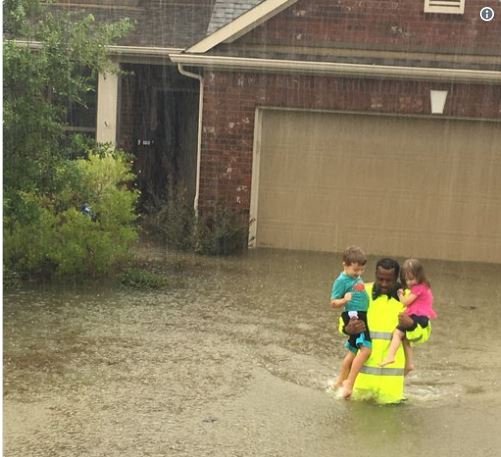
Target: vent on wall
x=444 y=6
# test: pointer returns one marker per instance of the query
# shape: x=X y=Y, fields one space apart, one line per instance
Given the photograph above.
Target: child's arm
x=406 y=299
x=340 y=302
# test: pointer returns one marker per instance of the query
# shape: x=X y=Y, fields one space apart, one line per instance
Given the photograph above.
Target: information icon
x=487 y=14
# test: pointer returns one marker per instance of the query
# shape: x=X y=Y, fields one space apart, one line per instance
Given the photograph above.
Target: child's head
x=413 y=273
x=354 y=260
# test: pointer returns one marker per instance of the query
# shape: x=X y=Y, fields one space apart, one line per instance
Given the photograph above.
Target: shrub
x=29 y=240
x=44 y=232
x=142 y=279
x=51 y=235
x=221 y=232
x=172 y=223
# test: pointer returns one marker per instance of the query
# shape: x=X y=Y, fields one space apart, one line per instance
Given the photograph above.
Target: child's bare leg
x=359 y=360
x=409 y=356
x=396 y=340
x=345 y=369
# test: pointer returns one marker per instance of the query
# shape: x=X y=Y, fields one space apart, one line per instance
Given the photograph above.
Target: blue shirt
x=343 y=284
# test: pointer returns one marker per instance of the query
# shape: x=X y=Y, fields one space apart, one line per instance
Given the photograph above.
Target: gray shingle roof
x=160 y=23
x=164 y=23
x=226 y=11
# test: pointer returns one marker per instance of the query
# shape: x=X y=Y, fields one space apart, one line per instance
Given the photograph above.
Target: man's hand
x=347 y=296
x=354 y=326
x=405 y=321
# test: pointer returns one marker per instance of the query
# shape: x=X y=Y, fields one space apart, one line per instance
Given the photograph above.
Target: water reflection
x=236 y=362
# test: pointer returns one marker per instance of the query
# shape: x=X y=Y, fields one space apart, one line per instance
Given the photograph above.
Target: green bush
x=44 y=231
x=221 y=232
x=52 y=236
x=172 y=223
x=142 y=279
x=29 y=241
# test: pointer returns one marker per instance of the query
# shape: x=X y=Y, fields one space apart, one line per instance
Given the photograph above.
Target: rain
x=262 y=137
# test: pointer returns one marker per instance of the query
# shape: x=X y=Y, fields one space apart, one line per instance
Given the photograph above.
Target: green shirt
x=343 y=284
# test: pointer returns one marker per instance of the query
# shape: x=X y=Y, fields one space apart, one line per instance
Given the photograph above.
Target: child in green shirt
x=348 y=292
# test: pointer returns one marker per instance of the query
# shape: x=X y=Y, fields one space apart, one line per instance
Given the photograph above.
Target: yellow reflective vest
x=384 y=384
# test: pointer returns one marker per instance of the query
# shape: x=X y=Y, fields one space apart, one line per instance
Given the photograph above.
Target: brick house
x=324 y=122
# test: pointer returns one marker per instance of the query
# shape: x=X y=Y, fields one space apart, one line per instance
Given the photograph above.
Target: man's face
x=386 y=280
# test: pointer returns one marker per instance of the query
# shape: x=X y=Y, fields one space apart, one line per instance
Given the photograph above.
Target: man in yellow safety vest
x=384 y=384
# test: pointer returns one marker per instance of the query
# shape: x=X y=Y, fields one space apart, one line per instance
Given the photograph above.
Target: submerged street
x=234 y=360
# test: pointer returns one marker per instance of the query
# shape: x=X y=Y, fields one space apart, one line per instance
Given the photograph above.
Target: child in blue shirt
x=348 y=292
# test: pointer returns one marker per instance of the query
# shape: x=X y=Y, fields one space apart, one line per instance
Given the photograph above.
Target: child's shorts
x=423 y=321
x=354 y=342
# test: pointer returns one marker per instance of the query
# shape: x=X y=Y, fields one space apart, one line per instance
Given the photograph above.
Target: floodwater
x=234 y=360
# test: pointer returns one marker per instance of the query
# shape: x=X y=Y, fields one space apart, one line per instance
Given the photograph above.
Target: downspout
x=199 y=140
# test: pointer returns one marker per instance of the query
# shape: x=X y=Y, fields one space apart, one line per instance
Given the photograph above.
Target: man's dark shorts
x=360 y=339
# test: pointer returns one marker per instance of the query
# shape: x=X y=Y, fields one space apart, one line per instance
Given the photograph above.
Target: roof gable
x=226 y=11
x=244 y=20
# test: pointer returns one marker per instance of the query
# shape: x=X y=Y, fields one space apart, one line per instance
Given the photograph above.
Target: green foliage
x=53 y=237
x=141 y=279
x=219 y=232
x=173 y=222
x=41 y=81
x=29 y=240
x=11 y=280
x=45 y=232
x=16 y=13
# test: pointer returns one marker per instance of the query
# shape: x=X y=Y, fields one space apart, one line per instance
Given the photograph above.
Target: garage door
x=429 y=188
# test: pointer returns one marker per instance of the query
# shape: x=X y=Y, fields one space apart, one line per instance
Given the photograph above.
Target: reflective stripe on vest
x=383 y=384
x=382 y=371
x=381 y=335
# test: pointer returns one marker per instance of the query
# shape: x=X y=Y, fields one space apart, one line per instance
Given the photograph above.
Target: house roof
x=226 y=11
x=242 y=23
x=198 y=25
x=207 y=31
x=158 y=23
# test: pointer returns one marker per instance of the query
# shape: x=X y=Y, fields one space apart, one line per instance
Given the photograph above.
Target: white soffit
x=241 y=25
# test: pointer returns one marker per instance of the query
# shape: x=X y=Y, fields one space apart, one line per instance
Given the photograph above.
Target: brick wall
x=381 y=24
x=230 y=101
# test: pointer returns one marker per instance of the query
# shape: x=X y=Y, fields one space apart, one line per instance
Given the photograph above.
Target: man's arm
x=405 y=321
x=406 y=299
x=354 y=326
